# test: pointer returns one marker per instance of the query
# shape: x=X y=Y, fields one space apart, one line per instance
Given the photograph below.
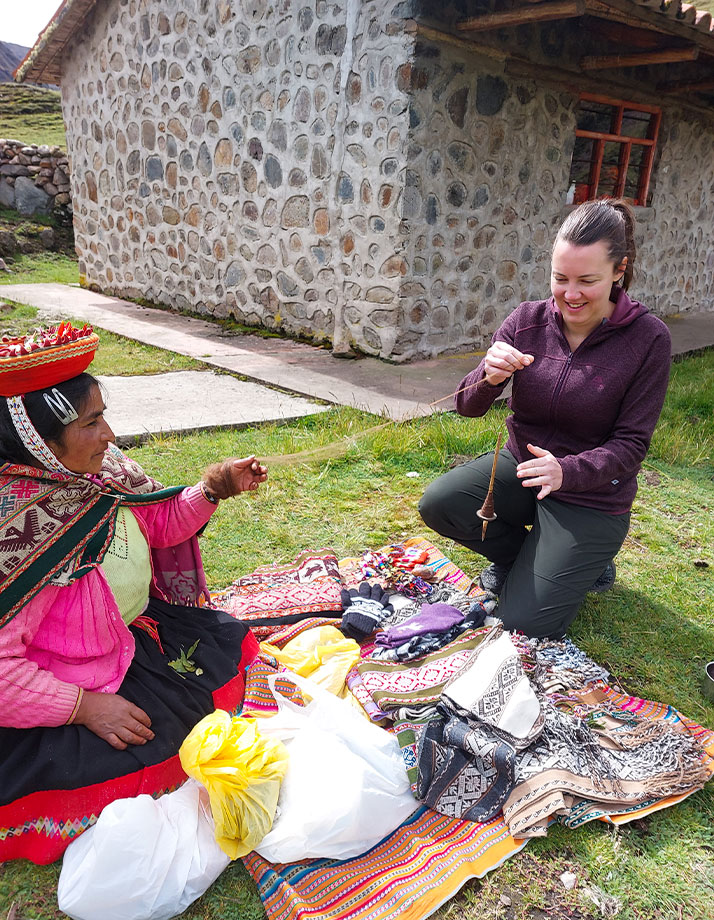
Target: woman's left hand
x=234 y=476
x=544 y=472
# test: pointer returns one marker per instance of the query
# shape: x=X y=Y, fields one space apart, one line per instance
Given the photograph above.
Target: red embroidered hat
x=45 y=358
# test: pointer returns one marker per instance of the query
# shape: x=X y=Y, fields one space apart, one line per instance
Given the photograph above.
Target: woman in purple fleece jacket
x=590 y=368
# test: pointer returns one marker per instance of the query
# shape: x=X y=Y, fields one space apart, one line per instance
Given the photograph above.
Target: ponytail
x=611 y=221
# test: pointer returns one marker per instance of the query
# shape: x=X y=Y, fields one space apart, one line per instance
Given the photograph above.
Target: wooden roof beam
x=538 y=12
x=686 y=86
x=652 y=18
x=570 y=81
x=666 y=56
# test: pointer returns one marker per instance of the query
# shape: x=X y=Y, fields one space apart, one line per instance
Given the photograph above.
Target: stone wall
x=316 y=167
x=33 y=179
x=487 y=180
x=675 y=261
x=244 y=160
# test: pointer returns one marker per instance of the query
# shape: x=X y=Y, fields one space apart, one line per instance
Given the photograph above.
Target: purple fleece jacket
x=595 y=408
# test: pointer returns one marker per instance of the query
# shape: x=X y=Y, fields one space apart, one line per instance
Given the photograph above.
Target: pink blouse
x=73 y=636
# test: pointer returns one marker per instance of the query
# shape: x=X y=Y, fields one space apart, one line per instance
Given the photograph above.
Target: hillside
x=31 y=114
x=10 y=57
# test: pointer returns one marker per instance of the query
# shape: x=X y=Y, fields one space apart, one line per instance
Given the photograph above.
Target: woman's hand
x=502 y=361
x=233 y=476
x=113 y=718
x=544 y=471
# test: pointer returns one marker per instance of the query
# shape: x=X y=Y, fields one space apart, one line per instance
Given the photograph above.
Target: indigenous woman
x=590 y=368
x=108 y=652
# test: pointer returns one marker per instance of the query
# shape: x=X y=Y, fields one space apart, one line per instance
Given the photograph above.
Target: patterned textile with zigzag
x=54 y=526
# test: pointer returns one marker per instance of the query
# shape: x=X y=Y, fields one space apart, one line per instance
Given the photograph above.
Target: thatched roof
x=43 y=63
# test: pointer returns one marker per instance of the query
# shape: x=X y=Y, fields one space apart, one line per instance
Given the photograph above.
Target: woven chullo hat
x=45 y=358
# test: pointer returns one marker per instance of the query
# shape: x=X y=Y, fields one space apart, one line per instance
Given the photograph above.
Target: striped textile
x=426 y=861
x=409 y=874
x=647 y=709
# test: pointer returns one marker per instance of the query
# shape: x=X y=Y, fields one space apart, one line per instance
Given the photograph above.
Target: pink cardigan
x=73 y=636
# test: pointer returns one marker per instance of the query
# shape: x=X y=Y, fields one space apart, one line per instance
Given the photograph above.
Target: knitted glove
x=364 y=609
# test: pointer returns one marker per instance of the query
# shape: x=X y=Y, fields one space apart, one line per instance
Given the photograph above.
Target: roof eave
x=43 y=62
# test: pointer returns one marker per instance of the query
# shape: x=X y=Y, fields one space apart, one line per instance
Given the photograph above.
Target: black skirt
x=54 y=782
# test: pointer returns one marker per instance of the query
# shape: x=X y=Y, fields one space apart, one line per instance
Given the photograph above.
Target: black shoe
x=493 y=577
x=605 y=581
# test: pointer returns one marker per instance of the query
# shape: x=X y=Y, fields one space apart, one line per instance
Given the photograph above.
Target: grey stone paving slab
x=192 y=401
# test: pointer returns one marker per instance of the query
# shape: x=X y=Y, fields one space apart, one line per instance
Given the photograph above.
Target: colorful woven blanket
x=427 y=860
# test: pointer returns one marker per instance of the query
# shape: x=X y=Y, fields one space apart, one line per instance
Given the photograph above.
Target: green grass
x=31 y=114
x=654 y=630
x=53 y=266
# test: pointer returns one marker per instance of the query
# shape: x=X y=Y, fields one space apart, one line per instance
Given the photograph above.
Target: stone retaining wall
x=34 y=179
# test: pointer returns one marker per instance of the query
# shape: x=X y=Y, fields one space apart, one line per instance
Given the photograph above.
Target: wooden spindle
x=486 y=511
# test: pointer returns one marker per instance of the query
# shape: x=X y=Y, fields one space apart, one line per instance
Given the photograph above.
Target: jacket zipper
x=559 y=387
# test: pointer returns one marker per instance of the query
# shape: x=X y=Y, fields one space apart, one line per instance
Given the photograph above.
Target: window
x=614 y=150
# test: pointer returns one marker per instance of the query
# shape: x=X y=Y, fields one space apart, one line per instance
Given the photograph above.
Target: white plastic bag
x=144 y=859
x=346 y=786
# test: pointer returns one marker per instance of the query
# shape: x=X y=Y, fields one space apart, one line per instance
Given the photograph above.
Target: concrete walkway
x=395 y=391
x=391 y=390
x=159 y=404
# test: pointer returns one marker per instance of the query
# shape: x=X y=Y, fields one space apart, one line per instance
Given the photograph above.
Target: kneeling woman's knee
x=431 y=506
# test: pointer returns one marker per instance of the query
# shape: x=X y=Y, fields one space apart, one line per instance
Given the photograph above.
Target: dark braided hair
x=611 y=221
x=48 y=426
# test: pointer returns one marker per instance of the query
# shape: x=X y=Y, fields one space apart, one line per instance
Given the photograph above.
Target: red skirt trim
x=40 y=826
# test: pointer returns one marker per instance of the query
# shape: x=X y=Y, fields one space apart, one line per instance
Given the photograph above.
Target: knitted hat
x=45 y=358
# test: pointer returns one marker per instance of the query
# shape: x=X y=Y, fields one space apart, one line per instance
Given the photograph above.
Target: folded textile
x=618 y=768
x=361 y=694
x=493 y=689
x=431 y=618
x=418 y=867
x=594 y=758
x=474 y=605
x=419 y=682
x=419 y=645
x=274 y=596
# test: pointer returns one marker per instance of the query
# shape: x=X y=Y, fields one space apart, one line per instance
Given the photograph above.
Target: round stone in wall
x=296 y=212
x=491 y=93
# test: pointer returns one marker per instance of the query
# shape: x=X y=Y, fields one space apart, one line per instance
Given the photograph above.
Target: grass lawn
x=26 y=269
x=32 y=114
x=654 y=630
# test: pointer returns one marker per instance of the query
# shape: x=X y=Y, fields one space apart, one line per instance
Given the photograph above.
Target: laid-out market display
x=409 y=772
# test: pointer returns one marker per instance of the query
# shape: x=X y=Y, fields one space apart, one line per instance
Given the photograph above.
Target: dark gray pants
x=552 y=565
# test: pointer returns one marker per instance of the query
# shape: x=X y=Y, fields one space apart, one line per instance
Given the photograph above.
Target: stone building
x=384 y=175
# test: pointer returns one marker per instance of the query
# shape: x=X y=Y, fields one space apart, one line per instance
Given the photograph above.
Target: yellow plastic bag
x=323 y=654
x=242 y=771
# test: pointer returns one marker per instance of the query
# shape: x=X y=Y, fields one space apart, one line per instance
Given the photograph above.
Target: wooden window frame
x=601 y=138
